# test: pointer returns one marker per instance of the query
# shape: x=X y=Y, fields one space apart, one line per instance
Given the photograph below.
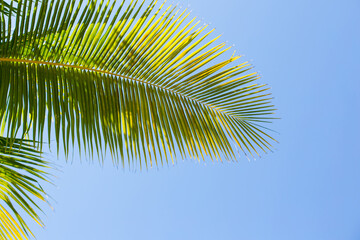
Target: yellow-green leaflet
x=21 y=172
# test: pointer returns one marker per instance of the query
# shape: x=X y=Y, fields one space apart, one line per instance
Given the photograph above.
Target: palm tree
x=147 y=84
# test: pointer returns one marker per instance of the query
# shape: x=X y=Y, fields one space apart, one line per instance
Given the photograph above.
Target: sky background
x=309 y=188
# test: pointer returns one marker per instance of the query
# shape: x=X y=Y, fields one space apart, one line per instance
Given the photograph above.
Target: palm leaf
x=21 y=171
x=147 y=83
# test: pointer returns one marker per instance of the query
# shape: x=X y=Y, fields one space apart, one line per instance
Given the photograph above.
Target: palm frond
x=21 y=171
x=144 y=82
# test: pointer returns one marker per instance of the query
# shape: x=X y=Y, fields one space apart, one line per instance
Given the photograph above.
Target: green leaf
x=146 y=83
x=21 y=172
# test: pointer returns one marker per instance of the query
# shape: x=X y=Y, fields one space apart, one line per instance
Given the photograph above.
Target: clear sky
x=309 y=188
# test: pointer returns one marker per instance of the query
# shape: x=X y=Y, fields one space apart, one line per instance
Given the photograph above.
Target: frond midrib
x=213 y=108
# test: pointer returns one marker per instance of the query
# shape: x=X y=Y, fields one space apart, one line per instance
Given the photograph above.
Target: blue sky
x=309 y=188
